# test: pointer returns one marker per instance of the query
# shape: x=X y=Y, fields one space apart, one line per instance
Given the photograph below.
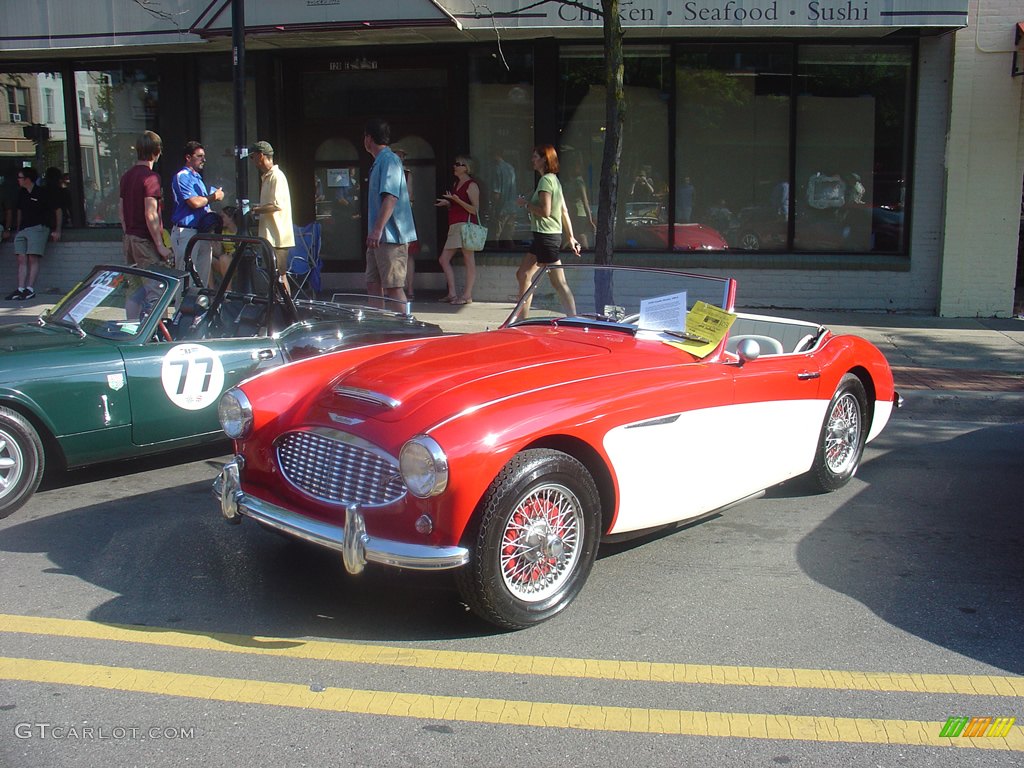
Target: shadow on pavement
x=173 y=562
x=934 y=553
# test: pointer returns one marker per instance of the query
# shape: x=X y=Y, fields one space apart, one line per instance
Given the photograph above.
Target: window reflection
x=851 y=159
x=732 y=143
x=644 y=184
x=33 y=131
x=501 y=139
x=114 y=107
x=217 y=131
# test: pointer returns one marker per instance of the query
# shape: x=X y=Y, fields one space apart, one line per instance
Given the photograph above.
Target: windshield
x=633 y=299
x=110 y=303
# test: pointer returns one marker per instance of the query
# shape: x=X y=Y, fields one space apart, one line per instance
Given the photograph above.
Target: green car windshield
x=110 y=304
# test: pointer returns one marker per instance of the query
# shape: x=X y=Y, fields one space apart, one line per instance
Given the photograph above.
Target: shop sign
x=352 y=64
x=718 y=13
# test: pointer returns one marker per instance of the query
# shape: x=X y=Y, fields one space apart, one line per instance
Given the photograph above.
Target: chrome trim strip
x=655 y=422
x=369 y=396
x=356 y=546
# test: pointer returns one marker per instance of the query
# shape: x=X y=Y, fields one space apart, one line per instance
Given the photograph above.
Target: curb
x=961 y=405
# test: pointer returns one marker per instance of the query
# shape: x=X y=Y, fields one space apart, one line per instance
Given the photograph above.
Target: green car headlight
x=424 y=467
x=235 y=414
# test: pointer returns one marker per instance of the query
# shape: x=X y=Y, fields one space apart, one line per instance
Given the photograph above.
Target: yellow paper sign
x=706 y=326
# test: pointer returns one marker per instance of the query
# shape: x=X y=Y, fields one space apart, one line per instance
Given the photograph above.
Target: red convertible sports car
x=636 y=400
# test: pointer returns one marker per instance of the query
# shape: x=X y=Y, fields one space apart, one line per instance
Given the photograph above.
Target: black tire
x=21 y=461
x=843 y=434
x=523 y=571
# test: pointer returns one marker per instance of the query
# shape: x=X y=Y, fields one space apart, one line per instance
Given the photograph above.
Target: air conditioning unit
x=15 y=117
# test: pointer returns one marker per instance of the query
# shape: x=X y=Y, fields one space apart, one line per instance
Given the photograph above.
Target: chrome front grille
x=337 y=467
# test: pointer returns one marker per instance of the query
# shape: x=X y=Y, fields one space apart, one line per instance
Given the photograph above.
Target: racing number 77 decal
x=192 y=376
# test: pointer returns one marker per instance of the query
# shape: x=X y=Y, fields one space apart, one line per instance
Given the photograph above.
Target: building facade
x=835 y=155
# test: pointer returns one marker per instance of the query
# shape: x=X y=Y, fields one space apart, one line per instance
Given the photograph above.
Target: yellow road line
x=546 y=666
x=499 y=711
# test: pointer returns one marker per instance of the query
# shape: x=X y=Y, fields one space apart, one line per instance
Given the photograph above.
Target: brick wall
x=985 y=166
x=64 y=264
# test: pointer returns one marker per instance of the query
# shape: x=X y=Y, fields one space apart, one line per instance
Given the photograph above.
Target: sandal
x=460 y=302
x=447 y=299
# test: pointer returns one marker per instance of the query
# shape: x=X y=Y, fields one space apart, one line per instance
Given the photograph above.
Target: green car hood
x=32 y=353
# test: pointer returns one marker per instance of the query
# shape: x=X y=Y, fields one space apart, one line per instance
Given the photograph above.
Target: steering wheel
x=162 y=332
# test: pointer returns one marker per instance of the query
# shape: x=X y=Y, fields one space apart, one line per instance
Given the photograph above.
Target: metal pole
x=241 y=145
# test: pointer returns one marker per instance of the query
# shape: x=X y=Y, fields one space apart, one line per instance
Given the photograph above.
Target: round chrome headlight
x=424 y=467
x=235 y=414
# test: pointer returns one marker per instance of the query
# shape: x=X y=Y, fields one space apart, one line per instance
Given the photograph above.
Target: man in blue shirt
x=191 y=203
x=390 y=226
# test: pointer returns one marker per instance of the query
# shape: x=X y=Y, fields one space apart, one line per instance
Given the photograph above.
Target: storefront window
x=32 y=130
x=852 y=153
x=217 y=131
x=732 y=145
x=644 y=182
x=115 y=106
x=501 y=139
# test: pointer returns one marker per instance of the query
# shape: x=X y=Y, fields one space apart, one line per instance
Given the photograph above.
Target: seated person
x=223 y=251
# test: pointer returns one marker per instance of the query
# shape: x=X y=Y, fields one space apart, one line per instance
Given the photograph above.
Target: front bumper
x=355 y=544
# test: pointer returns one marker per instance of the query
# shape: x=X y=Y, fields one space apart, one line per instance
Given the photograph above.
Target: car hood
x=465 y=371
x=28 y=350
x=32 y=337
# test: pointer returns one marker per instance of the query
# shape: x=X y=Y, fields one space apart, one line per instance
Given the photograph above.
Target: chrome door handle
x=807 y=375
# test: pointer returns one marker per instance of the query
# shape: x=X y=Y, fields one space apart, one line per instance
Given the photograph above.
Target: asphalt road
x=138 y=628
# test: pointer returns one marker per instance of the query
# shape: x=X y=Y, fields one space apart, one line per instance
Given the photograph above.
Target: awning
x=324 y=15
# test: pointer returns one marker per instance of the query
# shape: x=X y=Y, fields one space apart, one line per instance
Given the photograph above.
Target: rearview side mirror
x=748 y=350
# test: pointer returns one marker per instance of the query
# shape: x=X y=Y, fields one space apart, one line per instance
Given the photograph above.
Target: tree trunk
x=615 y=117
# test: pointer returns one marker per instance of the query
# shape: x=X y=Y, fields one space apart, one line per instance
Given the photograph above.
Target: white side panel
x=883 y=410
x=682 y=466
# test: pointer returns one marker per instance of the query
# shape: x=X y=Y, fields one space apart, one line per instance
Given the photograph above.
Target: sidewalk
x=962 y=354
x=926 y=353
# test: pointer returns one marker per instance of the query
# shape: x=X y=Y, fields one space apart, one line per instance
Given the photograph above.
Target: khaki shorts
x=386 y=265
x=454 y=240
x=281 y=257
x=32 y=240
x=141 y=252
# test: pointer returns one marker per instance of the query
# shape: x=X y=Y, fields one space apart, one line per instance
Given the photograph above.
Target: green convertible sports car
x=114 y=371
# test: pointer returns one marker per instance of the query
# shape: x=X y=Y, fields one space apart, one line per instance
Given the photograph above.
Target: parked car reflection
x=876 y=229
x=687 y=237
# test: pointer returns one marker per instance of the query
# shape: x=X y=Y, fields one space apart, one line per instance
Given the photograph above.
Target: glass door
x=335 y=107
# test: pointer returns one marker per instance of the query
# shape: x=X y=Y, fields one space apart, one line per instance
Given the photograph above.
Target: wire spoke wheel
x=540 y=545
x=842 y=434
x=533 y=539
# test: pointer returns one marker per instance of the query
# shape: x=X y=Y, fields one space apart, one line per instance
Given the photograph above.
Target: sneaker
x=28 y=293
x=14 y=295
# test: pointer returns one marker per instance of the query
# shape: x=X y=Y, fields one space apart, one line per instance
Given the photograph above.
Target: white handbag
x=474 y=236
